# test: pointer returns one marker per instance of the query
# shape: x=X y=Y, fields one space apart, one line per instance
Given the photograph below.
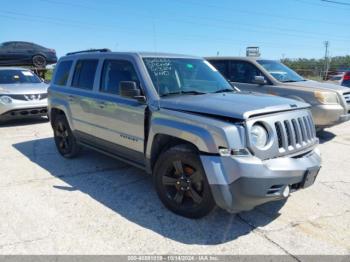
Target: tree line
x=315 y=67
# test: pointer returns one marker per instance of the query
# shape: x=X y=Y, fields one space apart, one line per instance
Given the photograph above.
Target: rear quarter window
x=62 y=73
x=84 y=74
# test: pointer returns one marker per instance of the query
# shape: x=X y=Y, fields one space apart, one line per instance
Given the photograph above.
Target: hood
x=319 y=86
x=18 y=89
x=240 y=105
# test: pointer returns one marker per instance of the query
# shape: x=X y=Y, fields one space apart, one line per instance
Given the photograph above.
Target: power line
x=313 y=3
x=225 y=9
x=228 y=41
x=281 y=31
x=225 y=22
x=336 y=2
x=221 y=23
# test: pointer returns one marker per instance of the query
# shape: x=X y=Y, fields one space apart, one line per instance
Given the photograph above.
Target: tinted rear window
x=84 y=74
x=62 y=73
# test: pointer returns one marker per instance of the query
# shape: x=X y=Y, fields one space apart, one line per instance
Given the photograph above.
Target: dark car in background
x=346 y=79
x=19 y=53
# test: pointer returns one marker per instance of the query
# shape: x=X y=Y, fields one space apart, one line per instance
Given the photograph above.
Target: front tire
x=181 y=183
x=65 y=141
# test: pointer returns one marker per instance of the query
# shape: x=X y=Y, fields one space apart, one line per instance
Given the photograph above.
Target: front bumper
x=23 y=109
x=329 y=115
x=242 y=183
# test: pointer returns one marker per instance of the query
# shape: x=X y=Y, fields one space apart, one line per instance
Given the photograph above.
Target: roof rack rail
x=89 y=51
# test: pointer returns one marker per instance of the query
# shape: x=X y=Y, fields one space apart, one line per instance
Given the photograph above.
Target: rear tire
x=181 y=183
x=39 y=61
x=65 y=141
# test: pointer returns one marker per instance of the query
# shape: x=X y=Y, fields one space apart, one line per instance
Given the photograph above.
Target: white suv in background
x=22 y=94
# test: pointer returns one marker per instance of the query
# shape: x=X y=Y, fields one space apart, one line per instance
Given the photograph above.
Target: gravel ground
x=97 y=205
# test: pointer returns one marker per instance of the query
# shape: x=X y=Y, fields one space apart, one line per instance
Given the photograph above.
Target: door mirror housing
x=259 y=80
x=129 y=89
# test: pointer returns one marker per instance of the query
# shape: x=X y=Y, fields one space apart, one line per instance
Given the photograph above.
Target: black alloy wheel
x=39 y=61
x=181 y=183
x=64 y=138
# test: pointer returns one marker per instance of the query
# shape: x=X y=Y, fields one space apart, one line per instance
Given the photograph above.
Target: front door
x=120 y=120
x=242 y=74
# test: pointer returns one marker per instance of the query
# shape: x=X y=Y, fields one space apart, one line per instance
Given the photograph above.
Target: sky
x=281 y=28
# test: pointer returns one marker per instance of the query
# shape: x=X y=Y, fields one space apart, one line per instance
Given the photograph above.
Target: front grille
x=295 y=133
x=29 y=97
x=347 y=97
x=25 y=112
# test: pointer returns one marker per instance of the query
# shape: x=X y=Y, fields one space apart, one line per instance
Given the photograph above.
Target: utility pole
x=326 y=60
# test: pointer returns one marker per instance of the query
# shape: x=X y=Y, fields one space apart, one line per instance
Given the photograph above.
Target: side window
x=23 y=46
x=11 y=45
x=243 y=72
x=61 y=76
x=6 y=45
x=221 y=66
x=84 y=74
x=115 y=71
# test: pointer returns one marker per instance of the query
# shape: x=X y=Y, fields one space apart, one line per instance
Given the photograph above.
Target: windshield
x=185 y=76
x=18 y=77
x=280 y=72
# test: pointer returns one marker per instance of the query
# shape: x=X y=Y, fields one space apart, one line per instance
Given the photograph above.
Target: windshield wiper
x=224 y=90
x=193 y=92
x=293 y=81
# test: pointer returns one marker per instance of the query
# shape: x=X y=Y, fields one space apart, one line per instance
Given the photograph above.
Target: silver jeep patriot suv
x=177 y=118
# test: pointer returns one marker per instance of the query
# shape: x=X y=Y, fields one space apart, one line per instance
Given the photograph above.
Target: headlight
x=5 y=100
x=326 y=97
x=259 y=136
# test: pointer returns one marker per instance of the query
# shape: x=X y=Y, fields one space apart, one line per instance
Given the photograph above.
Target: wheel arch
x=163 y=142
x=165 y=133
x=55 y=110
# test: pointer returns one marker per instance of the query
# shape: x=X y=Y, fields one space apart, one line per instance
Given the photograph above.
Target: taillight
x=346 y=76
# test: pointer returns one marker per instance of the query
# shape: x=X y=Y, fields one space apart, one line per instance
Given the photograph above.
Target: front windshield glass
x=18 y=77
x=185 y=76
x=280 y=72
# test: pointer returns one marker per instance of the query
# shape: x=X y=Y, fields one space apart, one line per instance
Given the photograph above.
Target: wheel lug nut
x=178 y=183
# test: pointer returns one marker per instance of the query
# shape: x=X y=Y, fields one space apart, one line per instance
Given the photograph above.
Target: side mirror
x=129 y=89
x=259 y=80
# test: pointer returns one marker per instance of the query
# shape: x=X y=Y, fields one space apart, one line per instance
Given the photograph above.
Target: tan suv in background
x=330 y=103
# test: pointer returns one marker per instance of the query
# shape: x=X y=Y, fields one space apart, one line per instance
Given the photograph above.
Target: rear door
x=81 y=96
